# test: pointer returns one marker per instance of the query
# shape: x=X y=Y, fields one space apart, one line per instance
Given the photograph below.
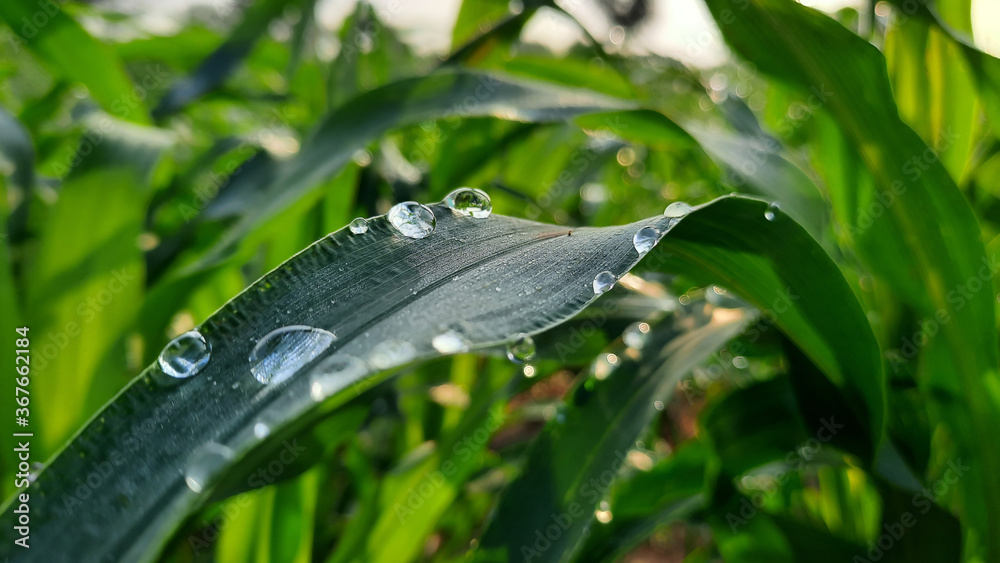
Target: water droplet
x=470 y=201
x=528 y=371
x=645 y=239
x=520 y=348
x=658 y=405
x=185 y=355
x=603 y=282
x=617 y=34
x=284 y=351
x=450 y=342
x=391 y=353
x=411 y=219
x=604 y=365
x=359 y=226
x=205 y=464
x=603 y=516
x=677 y=210
x=333 y=374
x=636 y=335
x=740 y=362
x=772 y=211
x=261 y=430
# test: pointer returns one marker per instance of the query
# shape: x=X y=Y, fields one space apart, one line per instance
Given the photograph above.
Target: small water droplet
x=411 y=219
x=604 y=365
x=658 y=405
x=185 y=355
x=333 y=374
x=677 y=210
x=391 y=353
x=470 y=201
x=205 y=463
x=284 y=351
x=603 y=282
x=772 y=211
x=528 y=371
x=603 y=516
x=450 y=342
x=645 y=239
x=261 y=430
x=520 y=348
x=359 y=226
x=636 y=335
x=740 y=362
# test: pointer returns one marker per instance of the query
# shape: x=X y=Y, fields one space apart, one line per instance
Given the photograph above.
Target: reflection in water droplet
x=636 y=335
x=603 y=516
x=528 y=371
x=391 y=353
x=333 y=374
x=604 y=365
x=658 y=405
x=411 y=219
x=185 y=355
x=772 y=211
x=677 y=209
x=261 y=430
x=450 y=342
x=645 y=239
x=205 y=464
x=740 y=362
x=470 y=201
x=603 y=282
x=520 y=348
x=284 y=351
x=359 y=226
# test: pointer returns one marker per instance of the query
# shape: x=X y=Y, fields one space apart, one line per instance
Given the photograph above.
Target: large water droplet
x=603 y=282
x=205 y=464
x=520 y=348
x=772 y=211
x=391 y=353
x=636 y=335
x=412 y=219
x=185 y=355
x=677 y=209
x=645 y=239
x=284 y=351
x=470 y=201
x=333 y=374
x=450 y=342
x=359 y=226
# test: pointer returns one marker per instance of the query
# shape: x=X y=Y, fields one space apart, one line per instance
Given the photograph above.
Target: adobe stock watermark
x=795 y=460
x=717 y=368
x=591 y=491
x=87 y=310
x=464 y=449
x=921 y=502
x=958 y=297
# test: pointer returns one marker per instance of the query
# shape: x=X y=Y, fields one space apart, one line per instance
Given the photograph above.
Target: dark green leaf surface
x=912 y=227
x=487 y=278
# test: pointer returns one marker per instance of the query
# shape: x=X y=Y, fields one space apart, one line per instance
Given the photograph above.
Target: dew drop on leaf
x=205 y=464
x=772 y=211
x=450 y=342
x=359 y=226
x=677 y=210
x=391 y=353
x=333 y=374
x=603 y=282
x=645 y=239
x=411 y=219
x=470 y=201
x=284 y=351
x=185 y=355
x=520 y=348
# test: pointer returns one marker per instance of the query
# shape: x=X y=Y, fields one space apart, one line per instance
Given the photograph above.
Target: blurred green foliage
x=149 y=176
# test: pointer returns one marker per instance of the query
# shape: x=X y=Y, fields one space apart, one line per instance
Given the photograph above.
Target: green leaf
x=732 y=243
x=544 y=514
x=360 y=121
x=912 y=227
x=383 y=295
x=72 y=53
x=217 y=67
